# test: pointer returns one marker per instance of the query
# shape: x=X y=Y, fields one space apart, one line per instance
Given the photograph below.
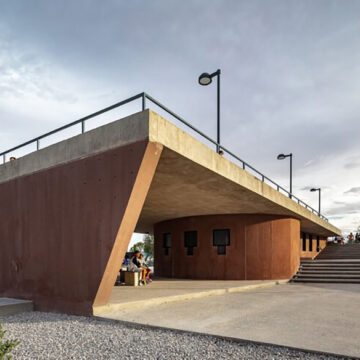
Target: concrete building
x=68 y=212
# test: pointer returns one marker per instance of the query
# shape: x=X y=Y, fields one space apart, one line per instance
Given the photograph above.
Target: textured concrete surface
x=10 y=306
x=314 y=317
x=162 y=291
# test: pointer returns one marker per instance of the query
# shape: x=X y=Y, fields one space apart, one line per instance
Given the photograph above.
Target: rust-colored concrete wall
x=307 y=254
x=261 y=247
x=58 y=227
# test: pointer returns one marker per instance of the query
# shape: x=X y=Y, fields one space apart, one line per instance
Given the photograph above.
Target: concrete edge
x=98 y=310
x=111 y=135
x=16 y=308
x=222 y=337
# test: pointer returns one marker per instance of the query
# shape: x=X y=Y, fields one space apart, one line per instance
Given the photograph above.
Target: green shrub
x=6 y=346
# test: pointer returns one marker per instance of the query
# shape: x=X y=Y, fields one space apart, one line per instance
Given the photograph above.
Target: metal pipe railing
x=144 y=96
x=82 y=121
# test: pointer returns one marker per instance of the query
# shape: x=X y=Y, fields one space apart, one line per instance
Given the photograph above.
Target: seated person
x=135 y=266
x=145 y=266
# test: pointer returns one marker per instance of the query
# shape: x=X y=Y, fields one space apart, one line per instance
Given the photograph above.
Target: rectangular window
x=190 y=241
x=303 y=242
x=310 y=243
x=167 y=242
x=221 y=239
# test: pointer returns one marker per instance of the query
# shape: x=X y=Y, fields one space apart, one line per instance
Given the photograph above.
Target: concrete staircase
x=339 y=252
x=335 y=264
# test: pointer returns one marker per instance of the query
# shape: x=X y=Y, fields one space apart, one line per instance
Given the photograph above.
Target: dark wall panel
x=261 y=247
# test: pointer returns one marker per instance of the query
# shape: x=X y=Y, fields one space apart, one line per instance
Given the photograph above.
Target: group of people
x=138 y=264
x=351 y=238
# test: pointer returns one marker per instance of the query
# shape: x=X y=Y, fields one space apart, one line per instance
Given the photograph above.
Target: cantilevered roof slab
x=192 y=179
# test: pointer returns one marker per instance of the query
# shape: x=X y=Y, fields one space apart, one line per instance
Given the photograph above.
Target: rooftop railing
x=144 y=97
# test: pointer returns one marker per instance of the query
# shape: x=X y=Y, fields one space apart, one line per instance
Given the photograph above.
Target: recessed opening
x=167 y=242
x=318 y=243
x=303 y=242
x=190 y=241
x=221 y=239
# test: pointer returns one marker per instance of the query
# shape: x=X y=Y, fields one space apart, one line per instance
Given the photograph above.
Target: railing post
x=37 y=144
x=4 y=159
x=82 y=127
x=143 y=101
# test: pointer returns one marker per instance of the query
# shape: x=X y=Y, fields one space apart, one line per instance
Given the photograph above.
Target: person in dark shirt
x=135 y=265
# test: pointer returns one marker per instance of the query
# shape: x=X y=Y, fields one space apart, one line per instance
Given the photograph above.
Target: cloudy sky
x=290 y=78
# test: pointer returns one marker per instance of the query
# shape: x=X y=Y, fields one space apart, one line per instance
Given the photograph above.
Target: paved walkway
x=164 y=290
x=318 y=317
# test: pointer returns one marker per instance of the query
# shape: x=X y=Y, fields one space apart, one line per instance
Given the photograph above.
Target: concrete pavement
x=317 y=317
x=164 y=290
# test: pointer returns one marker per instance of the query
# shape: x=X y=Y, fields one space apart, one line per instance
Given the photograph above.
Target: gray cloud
x=290 y=74
x=354 y=190
x=352 y=165
x=346 y=209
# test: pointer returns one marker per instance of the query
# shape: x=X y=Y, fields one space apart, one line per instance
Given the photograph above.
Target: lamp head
x=205 y=79
x=313 y=189
x=281 y=157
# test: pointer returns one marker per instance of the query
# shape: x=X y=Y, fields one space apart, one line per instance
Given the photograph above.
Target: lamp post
x=319 y=190
x=282 y=157
x=206 y=79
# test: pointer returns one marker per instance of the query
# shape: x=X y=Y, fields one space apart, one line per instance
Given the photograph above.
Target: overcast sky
x=290 y=78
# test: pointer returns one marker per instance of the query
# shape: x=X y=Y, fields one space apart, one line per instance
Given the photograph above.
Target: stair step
x=345 y=272
x=333 y=266
x=324 y=280
x=337 y=263
x=332 y=260
x=329 y=276
x=328 y=263
x=329 y=269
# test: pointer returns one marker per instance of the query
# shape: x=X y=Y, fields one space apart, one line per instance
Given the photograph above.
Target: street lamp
x=319 y=190
x=206 y=79
x=282 y=157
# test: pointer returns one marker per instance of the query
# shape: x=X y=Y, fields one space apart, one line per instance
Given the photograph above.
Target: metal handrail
x=144 y=96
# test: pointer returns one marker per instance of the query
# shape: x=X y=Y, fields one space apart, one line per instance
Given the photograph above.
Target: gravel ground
x=58 y=336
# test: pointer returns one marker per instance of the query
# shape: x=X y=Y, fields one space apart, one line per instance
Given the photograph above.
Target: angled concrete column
x=128 y=222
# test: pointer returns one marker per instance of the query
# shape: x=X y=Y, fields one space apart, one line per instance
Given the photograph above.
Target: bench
x=132 y=278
